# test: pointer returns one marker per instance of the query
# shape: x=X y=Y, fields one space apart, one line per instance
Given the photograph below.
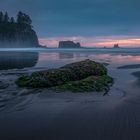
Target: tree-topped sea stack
x=17 y=33
x=80 y=76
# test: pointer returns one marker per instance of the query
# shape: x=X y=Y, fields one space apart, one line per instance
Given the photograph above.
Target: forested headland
x=17 y=32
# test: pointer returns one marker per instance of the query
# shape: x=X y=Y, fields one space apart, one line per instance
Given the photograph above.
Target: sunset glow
x=109 y=41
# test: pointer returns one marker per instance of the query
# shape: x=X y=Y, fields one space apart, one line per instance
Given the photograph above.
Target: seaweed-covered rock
x=91 y=83
x=62 y=76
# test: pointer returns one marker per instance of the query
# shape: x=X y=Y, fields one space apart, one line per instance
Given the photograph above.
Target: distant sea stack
x=69 y=44
x=116 y=46
x=17 y=33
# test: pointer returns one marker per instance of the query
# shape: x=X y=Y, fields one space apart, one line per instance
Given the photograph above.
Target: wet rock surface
x=79 y=72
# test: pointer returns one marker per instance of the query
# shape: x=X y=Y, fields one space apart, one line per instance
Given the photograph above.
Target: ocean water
x=39 y=114
x=48 y=58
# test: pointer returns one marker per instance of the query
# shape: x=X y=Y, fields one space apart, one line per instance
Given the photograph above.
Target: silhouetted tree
x=27 y=19
x=22 y=18
x=1 y=17
x=19 y=17
x=12 y=20
x=17 y=31
x=6 y=17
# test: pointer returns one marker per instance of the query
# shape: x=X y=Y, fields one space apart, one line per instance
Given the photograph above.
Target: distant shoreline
x=77 y=50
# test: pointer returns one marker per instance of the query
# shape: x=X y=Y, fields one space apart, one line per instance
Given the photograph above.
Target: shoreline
x=92 y=50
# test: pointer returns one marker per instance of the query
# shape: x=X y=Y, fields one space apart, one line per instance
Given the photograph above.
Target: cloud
x=108 y=41
x=88 y=18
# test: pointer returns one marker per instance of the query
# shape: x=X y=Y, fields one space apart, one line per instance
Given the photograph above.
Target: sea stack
x=69 y=44
x=116 y=46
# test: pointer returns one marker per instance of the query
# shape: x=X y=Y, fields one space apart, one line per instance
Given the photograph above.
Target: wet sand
x=136 y=74
x=132 y=66
x=39 y=114
x=42 y=114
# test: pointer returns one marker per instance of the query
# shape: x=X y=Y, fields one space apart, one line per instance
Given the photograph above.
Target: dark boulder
x=71 y=72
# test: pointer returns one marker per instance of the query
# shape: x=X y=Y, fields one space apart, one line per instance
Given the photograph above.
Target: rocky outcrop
x=18 y=39
x=17 y=33
x=85 y=75
x=69 y=44
x=116 y=46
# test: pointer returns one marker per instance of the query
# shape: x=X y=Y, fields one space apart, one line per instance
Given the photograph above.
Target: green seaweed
x=81 y=76
x=89 y=84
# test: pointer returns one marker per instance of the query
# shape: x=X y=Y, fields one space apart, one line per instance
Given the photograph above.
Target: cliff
x=69 y=44
x=17 y=33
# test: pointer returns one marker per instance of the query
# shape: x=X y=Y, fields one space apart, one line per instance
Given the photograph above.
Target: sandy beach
x=43 y=114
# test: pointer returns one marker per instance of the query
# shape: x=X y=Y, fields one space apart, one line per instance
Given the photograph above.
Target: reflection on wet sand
x=66 y=55
x=17 y=60
x=118 y=59
x=132 y=66
x=137 y=75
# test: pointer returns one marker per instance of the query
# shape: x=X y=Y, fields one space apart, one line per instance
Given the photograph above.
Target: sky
x=93 y=23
